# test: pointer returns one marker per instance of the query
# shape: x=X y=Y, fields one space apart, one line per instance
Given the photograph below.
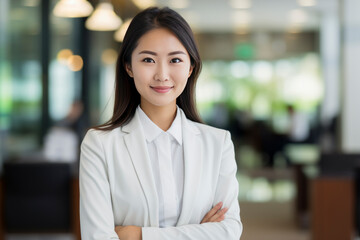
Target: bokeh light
x=75 y=63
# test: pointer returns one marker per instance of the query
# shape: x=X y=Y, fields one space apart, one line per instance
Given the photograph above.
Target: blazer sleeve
x=226 y=191
x=96 y=216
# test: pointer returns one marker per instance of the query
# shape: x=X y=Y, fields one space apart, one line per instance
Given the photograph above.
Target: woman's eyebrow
x=155 y=54
x=176 y=52
x=148 y=52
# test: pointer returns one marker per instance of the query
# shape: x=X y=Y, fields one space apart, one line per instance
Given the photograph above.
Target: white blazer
x=117 y=186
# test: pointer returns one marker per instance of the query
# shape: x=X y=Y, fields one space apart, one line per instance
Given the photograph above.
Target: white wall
x=350 y=122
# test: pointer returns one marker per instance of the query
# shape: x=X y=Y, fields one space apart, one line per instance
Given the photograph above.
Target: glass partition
x=20 y=76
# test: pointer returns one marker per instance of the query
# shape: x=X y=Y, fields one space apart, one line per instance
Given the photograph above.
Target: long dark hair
x=127 y=97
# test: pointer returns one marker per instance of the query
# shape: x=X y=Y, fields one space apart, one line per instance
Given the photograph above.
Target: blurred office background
x=281 y=75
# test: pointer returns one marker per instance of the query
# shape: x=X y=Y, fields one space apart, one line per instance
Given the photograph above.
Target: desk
x=332 y=208
x=1 y=207
x=76 y=209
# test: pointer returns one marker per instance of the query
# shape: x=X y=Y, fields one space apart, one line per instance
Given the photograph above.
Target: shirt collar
x=175 y=128
x=152 y=131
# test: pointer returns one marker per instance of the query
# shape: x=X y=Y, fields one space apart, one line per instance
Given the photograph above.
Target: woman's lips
x=161 y=89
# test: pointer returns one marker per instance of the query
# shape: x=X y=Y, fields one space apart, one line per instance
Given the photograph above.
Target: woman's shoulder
x=198 y=126
x=209 y=130
x=102 y=135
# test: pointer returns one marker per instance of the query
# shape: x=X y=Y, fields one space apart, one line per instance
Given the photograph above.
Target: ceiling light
x=306 y=3
x=142 y=4
x=241 y=18
x=75 y=63
x=109 y=56
x=64 y=55
x=72 y=8
x=298 y=16
x=120 y=34
x=240 y=4
x=103 y=18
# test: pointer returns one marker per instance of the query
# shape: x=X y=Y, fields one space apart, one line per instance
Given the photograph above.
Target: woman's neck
x=162 y=116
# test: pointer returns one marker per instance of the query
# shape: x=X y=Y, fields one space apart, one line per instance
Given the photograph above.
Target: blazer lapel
x=192 y=168
x=136 y=145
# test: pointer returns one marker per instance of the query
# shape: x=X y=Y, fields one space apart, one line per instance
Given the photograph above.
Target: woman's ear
x=190 y=71
x=129 y=70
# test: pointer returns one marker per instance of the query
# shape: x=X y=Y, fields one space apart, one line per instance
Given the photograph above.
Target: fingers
x=212 y=212
x=219 y=216
x=215 y=214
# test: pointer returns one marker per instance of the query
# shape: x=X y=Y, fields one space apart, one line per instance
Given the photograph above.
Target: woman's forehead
x=160 y=39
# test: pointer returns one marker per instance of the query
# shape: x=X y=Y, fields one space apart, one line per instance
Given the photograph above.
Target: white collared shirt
x=167 y=161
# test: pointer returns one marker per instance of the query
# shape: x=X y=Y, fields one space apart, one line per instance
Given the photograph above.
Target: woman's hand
x=216 y=214
x=128 y=232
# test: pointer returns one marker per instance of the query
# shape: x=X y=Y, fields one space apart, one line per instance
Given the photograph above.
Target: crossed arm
x=97 y=222
x=216 y=214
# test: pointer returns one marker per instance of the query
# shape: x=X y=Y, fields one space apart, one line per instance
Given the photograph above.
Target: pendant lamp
x=120 y=33
x=103 y=18
x=72 y=8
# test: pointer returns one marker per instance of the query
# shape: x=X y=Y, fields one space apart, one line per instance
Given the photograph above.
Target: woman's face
x=160 y=66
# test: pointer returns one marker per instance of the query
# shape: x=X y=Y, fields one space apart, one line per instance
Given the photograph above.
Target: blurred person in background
x=62 y=141
x=299 y=125
x=154 y=171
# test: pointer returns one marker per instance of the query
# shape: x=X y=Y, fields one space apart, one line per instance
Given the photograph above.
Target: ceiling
x=272 y=15
x=215 y=15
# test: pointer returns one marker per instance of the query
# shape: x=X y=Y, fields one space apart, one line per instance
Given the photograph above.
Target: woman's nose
x=162 y=72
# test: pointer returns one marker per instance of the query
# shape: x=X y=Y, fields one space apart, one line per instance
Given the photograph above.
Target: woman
x=154 y=171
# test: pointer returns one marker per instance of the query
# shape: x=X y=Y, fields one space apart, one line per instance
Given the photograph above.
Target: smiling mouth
x=162 y=89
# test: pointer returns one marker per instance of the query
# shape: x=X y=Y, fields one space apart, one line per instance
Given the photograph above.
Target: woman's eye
x=148 y=60
x=175 y=60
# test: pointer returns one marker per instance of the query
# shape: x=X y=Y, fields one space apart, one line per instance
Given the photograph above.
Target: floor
x=270 y=221
x=40 y=237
